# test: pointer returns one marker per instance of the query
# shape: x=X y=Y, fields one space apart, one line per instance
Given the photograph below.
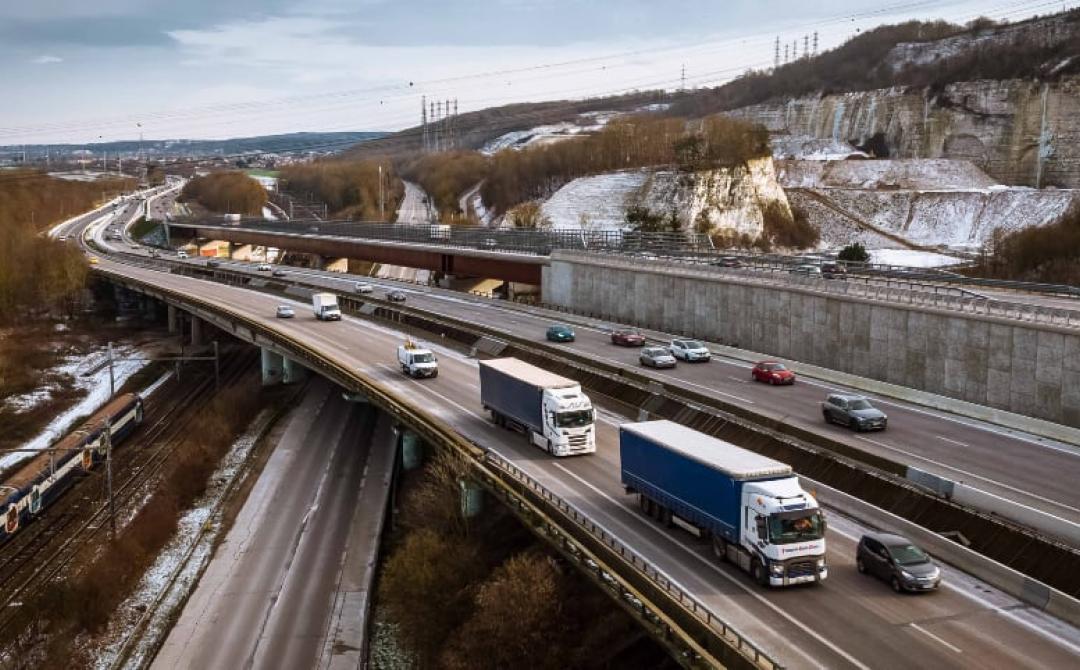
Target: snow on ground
x=87 y=375
x=912 y=258
x=813 y=148
x=938 y=174
x=145 y=618
x=589 y=122
x=601 y=199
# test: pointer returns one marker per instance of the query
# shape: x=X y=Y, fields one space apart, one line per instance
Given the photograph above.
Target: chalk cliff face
x=1019 y=132
x=730 y=201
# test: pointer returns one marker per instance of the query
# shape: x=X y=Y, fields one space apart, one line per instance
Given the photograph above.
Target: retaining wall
x=1004 y=363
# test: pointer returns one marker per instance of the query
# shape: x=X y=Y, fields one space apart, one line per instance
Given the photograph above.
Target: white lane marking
x=935 y=637
x=972 y=475
x=734 y=580
x=710 y=389
x=952 y=441
x=1004 y=610
x=739 y=380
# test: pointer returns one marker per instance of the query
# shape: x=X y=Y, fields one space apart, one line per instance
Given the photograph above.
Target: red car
x=772 y=372
x=628 y=338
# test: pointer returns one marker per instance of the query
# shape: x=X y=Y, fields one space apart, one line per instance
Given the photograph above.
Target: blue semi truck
x=751 y=507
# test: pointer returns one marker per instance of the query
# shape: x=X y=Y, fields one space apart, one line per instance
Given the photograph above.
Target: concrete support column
x=472 y=498
x=272 y=365
x=150 y=310
x=291 y=371
x=196 y=331
x=174 y=320
x=412 y=452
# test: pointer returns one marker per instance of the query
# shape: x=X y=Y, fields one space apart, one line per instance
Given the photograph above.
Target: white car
x=263 y=267
x=689 y=351
x=181 y=254
x=363 y=287
x=285 y=312
x=807 y=270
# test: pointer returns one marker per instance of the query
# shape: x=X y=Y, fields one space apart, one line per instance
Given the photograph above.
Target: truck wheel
x=719 y=548
x=757 y=571
x=404 y=370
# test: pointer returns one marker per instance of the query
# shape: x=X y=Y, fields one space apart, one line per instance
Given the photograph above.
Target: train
x=31 y=488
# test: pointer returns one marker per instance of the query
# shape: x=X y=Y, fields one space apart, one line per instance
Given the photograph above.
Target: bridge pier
x=412 y=451
x=272 y=367
x=173 y=319
x=196 y=331
x=291 y=371
x=472 y=498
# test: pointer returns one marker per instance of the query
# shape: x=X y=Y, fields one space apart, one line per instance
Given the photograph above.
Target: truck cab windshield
x=574 y=419
x=790 y=527
x=423 y=358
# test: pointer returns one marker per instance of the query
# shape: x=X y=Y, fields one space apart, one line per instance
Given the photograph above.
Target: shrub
x=446 y=176
x=227 y=192
x=855 y=253
x=783 y=229
x=350 y=189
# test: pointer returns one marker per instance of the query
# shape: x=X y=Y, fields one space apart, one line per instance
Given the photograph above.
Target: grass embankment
x=105 y=574
x=484 y=593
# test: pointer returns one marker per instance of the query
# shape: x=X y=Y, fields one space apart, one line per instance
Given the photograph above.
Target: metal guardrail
x=661 y=579
x=441 y=434
x=945 y=298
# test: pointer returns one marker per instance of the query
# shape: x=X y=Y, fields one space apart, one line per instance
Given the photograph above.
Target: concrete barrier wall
x=1002 y=363
x=1028 y=516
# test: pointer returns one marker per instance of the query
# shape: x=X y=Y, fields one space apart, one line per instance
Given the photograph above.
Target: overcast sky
x=79 y=70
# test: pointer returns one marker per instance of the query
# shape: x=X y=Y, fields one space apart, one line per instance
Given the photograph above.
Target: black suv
x=897 y=561
x=853 y=411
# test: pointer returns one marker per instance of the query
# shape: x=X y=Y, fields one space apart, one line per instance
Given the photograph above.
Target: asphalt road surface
x=267 y=598
x=1032 y=470
x=848 y=621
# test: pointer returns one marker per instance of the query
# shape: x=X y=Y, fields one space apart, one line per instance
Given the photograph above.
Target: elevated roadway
x=849 y=621
x=1011 y=464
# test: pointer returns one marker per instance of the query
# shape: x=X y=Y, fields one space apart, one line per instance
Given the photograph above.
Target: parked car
x=772 y=372
x=833 y=271
x=807 y=270
x=689 y=351
x=627 y=338
x=656 y=357
x=285 y=312
x=279 y=273
x=896 y=560
x=181 y=254
x=727 y=262
x=396 y=296
x=363 y=287
x=560 y=333
x=853 y=411
x=263 y=267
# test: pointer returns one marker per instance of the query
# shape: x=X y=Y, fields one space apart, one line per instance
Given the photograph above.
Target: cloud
x=47 y=59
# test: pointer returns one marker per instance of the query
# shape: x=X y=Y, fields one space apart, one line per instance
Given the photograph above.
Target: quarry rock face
x=731 y=201
x=1020 y=132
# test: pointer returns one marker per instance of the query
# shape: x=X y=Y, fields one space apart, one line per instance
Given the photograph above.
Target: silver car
x=656 y=357
x=285 y=312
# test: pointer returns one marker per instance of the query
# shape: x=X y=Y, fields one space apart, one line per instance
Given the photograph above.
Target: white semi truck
x=325 y=307
x=551 y=410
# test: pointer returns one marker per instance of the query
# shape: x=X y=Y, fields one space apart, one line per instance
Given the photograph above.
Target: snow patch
x=912 y=258
x=594 y=203
x=89 y=373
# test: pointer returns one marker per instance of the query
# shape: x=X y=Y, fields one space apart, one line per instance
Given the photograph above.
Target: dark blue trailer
x=751 y=506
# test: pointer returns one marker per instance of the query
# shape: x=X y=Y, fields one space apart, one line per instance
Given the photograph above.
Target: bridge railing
x=657 y=576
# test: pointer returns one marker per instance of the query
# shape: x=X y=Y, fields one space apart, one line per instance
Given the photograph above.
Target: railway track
x=37 y=556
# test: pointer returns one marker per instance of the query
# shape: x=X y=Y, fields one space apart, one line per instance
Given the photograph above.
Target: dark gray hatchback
x=853 y=411
x=897 y=561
